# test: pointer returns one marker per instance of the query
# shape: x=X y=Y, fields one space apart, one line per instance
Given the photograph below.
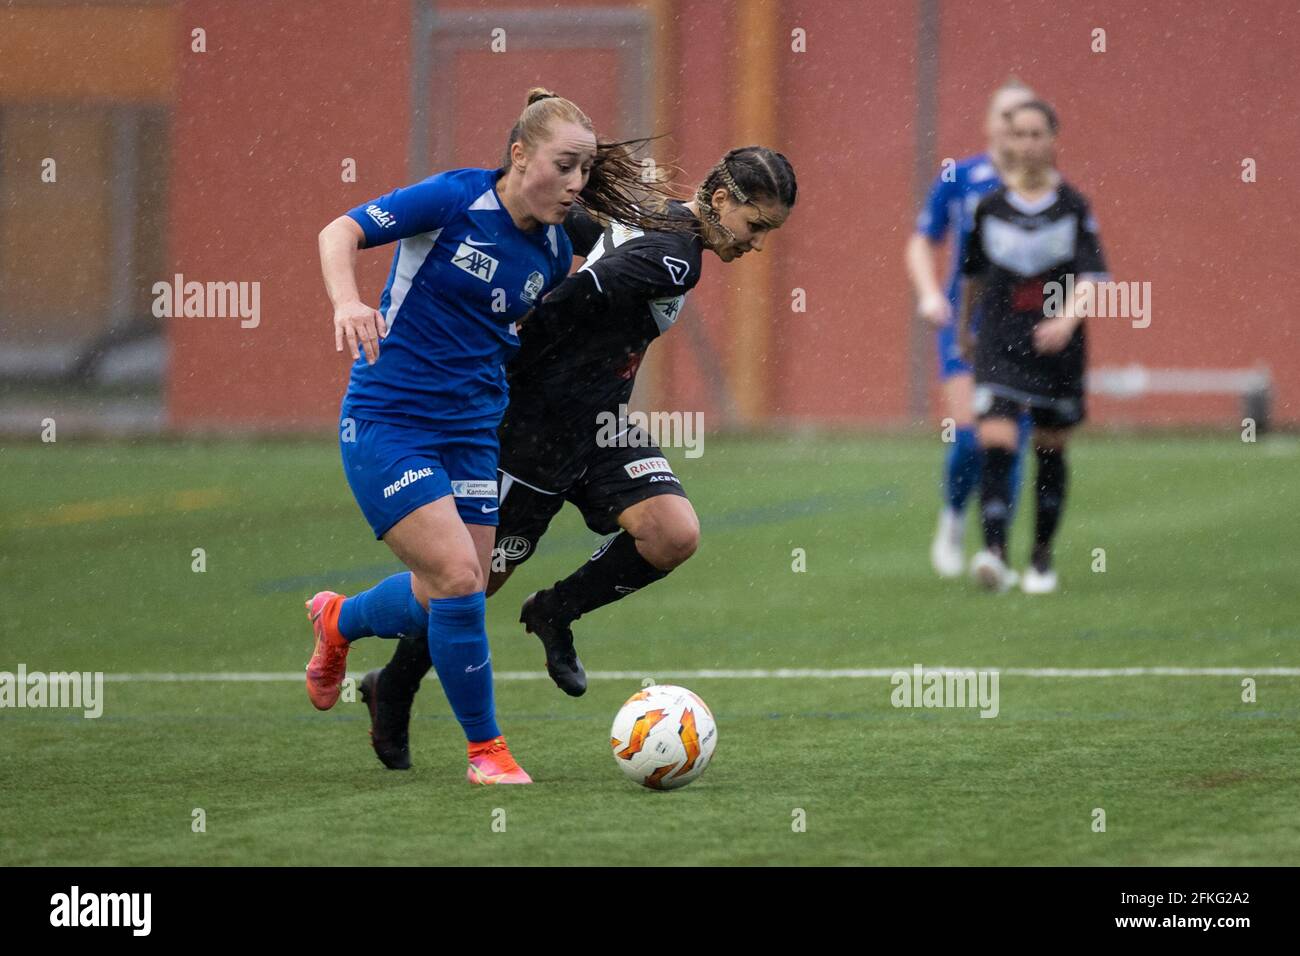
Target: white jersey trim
x=591 y=273
x=411 y=255
x=509 y=479
x=486 y=201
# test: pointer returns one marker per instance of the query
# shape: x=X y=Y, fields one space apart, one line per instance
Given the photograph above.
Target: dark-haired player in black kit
x=577 y=364
x=1034 y=241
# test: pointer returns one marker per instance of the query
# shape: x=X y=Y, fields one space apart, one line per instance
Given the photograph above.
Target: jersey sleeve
x=582 y=229
x=933 y=221
x=1089 y=260
x=648 y=267
x=621 y=282
x=974 y=262
x=409 y=210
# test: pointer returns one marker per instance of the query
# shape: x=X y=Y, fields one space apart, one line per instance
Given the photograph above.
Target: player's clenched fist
x=1053 y=335
x=359 y=324
x=935 y=309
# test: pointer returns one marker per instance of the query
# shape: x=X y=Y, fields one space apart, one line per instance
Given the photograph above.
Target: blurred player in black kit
x=577 y=363
x=1032 y=258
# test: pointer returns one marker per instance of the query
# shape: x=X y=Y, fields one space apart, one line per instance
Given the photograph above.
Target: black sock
x=408 y=666
x=613 y=572
x=995 y=493
x=1052 y=473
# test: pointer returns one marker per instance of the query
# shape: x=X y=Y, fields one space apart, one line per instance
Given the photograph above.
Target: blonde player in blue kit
x=478 y=249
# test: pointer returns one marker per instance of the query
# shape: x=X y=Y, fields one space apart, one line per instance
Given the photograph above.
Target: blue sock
x=1022 y=443
x=458 y=644
x=389 y=609
x=963 y=469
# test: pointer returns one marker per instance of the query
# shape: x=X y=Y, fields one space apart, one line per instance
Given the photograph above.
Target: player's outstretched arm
x=353 y=320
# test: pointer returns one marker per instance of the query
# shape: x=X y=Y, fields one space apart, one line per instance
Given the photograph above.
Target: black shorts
x=615 y=479
x=999 y=401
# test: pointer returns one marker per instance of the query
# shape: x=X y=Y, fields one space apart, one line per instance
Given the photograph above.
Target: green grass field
x=1200 y=540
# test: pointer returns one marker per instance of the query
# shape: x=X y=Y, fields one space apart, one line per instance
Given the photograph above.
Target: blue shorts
x=950 y=362
x=394 y=469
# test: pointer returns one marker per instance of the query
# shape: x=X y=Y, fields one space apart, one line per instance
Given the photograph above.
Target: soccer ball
x=663 y=737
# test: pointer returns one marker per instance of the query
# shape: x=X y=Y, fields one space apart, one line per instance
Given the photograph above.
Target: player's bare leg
x=947 y=550
x=666 y=529
x=449 y=562
x=389 y=691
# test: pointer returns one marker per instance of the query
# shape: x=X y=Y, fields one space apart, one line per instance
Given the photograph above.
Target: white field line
x=854 y=673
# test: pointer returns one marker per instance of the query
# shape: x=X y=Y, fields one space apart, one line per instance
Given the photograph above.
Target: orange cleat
x=329 y=662
x=490 y=762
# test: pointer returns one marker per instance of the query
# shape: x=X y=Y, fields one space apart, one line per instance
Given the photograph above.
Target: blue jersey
x=463 y=275
x=951 y=205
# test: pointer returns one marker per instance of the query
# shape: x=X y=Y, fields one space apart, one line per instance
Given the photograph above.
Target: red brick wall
x=1154 y=131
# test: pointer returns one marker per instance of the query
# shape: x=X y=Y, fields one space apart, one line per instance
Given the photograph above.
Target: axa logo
x=411 y=475
x=476 y=263
x=382 y=217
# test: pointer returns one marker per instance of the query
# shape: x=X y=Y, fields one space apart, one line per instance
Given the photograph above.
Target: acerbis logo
x=677 y=269
x=382 y=217
x=478 y=264
x=406 y=479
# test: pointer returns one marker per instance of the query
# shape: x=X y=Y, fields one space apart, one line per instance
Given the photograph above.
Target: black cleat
x=561 y=659
x=390 y=720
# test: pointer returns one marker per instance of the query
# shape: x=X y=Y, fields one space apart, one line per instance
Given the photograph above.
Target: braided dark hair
x=748 y=174
x=619 y=188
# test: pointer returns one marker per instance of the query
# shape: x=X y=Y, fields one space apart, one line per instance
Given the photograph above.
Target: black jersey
x=580 y=350
x=1017 y=248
